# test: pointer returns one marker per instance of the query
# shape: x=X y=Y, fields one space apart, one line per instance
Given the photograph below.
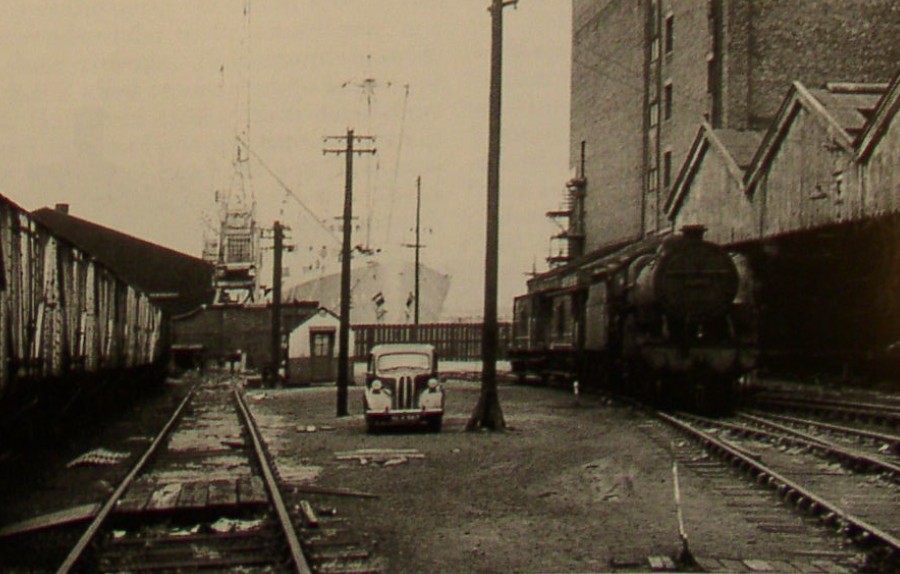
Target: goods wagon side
x=67 y=323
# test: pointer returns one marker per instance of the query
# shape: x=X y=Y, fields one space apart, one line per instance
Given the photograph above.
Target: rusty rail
x=829 y=513
x=107 y=508
x=298 y=559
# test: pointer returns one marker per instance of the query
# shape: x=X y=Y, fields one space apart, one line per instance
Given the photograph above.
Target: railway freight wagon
x=68 y=325
x=670 y=320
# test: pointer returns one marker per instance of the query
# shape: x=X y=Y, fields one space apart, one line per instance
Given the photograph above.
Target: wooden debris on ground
x=309 y=489
x=59 y=518
x=99 y=457
x=382 y=456
x=309 y=515
x=661 y=563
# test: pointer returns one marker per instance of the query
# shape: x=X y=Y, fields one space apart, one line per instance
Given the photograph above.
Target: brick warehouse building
x=647 y=73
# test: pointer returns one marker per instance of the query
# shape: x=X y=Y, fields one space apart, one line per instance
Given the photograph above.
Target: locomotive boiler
x=669 y=320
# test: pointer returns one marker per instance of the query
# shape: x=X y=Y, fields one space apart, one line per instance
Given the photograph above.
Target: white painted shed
x=313 y=349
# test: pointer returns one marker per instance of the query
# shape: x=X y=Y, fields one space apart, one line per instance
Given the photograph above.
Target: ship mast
x=236 y=252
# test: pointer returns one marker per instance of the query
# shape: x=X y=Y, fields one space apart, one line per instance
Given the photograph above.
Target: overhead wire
x=291 y=192
x=397 y=165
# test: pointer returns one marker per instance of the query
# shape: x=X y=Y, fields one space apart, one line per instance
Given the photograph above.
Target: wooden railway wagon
x=68 y=325
x=668 y=319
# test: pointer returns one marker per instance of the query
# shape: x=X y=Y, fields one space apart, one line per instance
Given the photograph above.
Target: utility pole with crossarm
x=344 y=337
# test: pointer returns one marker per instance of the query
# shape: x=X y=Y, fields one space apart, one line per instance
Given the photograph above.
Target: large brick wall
x=764 y=46
x=606 y=113
x=818 y=41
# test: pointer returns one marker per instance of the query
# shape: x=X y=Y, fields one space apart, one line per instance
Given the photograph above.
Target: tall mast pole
x=487 y=413
x=418 y=247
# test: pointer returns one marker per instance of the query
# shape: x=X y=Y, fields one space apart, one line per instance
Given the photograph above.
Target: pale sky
x=129 y=110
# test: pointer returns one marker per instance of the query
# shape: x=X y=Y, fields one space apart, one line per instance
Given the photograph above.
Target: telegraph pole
x=487 y=413
x=417 y=246
x=344 y=340
x=278 y=234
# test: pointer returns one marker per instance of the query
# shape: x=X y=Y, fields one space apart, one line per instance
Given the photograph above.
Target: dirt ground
x=568 y=487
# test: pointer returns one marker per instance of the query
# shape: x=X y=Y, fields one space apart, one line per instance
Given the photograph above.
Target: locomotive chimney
x=62 y=208
x=693 y=232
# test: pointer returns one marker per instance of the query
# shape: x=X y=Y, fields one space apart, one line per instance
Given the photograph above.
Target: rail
x=802 y=498
x=284 y=519
x=101 y=516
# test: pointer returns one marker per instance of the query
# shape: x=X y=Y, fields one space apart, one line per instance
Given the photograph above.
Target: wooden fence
x=453 y=341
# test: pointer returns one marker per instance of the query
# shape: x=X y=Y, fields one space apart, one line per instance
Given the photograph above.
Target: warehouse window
x=654 y=113
x=667 y=100
x=667 y=169
x=670 y=33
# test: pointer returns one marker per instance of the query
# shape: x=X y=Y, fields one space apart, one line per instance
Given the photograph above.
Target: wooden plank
x=733 y=565
x=59 y=518
x=334 y=491
x=193 y=494
x=309 y=515
x=222 y=492
x=782 y=566
x=830 y=567
x=661 y=563
x=164 y=497
x=251 y=490
x=804 y=566
x=759 y=566
x=710 y=565
x=136 y=497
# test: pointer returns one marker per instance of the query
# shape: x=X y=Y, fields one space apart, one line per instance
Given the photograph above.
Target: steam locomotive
x=669 y=320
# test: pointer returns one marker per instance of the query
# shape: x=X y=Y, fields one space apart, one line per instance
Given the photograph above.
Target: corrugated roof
x=152 y=268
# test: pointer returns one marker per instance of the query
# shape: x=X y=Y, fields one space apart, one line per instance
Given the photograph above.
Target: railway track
x=859 y=506
x=884 y=415
x=205 y=497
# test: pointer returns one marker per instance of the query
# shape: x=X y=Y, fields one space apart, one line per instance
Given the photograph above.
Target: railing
x=453 y=341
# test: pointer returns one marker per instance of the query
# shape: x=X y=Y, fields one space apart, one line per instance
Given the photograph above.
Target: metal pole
x=344 y=340
x=488 y=413
x=418 y=246
x=491 y=259
x=278 y=231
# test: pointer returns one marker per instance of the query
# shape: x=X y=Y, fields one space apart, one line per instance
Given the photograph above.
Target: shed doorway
x=321 y=355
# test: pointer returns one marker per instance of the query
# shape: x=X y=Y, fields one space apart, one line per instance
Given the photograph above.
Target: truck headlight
x=432 y=384
x=376 y=386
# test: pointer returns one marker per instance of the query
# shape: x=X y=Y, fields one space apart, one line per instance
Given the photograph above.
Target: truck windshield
x=395 y=361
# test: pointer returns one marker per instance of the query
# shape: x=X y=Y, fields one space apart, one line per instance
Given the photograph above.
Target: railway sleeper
x=348 y=567
x=340 y=553
x=143 y=564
